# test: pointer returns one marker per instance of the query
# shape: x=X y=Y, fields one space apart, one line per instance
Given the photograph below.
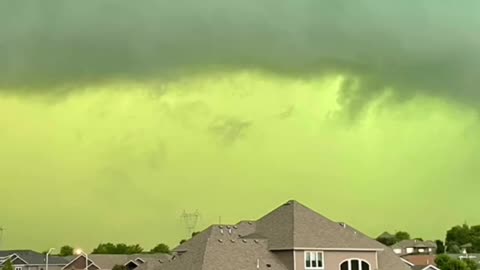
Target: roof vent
x=232 y=240
x=250 y=223
x=221 y=227
x=235 y=227
x=244 y=240
x=269 y=265
x=230 y=230
x=228 y=226
x=221 y=231
x=256 y=241
x=220 y=240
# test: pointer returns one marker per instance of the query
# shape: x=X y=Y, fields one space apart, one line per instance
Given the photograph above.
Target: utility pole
x=2 y=229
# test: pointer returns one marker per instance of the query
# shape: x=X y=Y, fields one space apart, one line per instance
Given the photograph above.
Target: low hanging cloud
x=429 y=47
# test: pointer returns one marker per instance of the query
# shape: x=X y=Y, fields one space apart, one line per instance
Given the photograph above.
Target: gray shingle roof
x=33 y=257
x=290 y=226
x=108 y=261
x=221 y=247
x=414 y=243
x=293 y=225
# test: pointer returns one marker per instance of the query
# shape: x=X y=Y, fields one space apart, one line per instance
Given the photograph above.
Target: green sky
x=108 y=134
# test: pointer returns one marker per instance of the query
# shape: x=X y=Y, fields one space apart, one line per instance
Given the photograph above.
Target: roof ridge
x=204 y=250
x=294 y=205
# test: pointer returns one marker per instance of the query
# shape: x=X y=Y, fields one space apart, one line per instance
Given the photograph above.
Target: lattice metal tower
x=190 y=220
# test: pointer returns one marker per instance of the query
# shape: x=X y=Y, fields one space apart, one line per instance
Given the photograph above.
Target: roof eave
x=326 y=249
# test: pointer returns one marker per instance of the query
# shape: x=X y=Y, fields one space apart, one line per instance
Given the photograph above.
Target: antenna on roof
x=190 y=220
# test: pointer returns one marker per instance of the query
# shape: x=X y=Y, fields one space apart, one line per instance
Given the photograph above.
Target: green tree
x=194 y=233
x=440 y=246
x=105 y=248
x=458 y=236
x=442 y=260
x=183 y=241
x=121 y=248
x=161 y=248
x=400 y=236
x=8 y=265
x=455 y=265
x=66 y=251
x=134 y=249
x=471 y=264
x=388 y=241
x=455 y=249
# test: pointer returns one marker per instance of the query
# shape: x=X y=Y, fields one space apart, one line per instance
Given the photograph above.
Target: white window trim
x=314 y=252
x=355 y=259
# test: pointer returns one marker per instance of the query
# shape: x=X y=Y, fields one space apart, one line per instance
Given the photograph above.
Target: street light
x=79 y=251
x=46 y=257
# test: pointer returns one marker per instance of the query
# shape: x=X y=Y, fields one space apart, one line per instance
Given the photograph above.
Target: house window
x=421 y=250
x=397 y=250
x=409 y=250
x=313 y=260
x=355 y=264
x=18 y=268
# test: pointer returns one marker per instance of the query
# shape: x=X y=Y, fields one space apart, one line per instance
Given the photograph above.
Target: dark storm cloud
x=431 y=46
x=229 y=130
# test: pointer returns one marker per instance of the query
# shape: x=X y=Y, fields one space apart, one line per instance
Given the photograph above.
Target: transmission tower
x=190 y=220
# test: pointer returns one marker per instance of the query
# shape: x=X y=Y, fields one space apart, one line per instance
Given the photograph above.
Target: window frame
x=317 y=254
x=360 y=261
x=18 y=268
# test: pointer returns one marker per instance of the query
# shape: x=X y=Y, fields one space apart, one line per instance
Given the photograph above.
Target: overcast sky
x=115 y=116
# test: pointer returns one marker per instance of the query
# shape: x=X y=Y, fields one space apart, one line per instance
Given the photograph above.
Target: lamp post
x=81 y=252
x=46 y=257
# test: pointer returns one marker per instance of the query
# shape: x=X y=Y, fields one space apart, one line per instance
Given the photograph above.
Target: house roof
x=414 y=243
x=420 y=260
x=108 y=261
x=219 y=247
x=291 y=226
x=33 y=257
x=425 y=267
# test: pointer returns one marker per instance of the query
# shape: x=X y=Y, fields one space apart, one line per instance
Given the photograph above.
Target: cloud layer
x=206 y=144
x=413 y=47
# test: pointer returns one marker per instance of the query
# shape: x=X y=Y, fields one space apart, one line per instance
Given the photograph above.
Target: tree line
x=457 y=239
x=445 y=262
x=121 y=248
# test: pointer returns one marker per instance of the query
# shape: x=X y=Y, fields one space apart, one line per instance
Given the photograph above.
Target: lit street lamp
x=81 y=252
x=46 y=257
